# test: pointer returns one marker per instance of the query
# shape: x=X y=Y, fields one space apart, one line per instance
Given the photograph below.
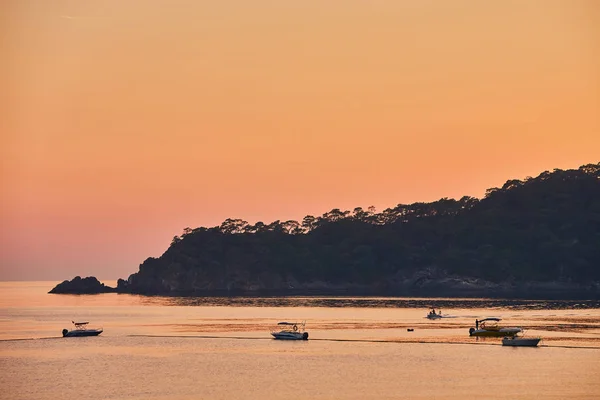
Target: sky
x=124 y=121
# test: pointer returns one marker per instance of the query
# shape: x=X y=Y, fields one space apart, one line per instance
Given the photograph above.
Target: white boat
x=520 y=341
x=80 y=329
x=291 y=331
x=490 y=327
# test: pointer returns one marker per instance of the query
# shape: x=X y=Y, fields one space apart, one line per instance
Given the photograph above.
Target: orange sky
x=124 y=121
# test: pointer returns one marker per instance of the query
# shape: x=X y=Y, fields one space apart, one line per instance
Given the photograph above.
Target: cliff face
x=428 y=283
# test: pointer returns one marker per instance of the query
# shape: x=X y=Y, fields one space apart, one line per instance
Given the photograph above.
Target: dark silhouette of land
x=539 y=237
x=77 y=285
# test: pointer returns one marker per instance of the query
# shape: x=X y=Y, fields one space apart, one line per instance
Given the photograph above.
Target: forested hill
x=542 y=233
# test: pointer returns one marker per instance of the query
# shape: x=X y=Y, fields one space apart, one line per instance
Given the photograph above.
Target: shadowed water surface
x=384 y=302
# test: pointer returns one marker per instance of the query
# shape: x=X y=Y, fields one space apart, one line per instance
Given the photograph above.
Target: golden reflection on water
x=161 y=348
x=167 y=368
x=26 y=311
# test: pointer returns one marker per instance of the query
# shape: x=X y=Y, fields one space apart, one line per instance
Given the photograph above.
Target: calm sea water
x=359 y=348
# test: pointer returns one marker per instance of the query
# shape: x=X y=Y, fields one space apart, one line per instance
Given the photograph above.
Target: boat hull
x=81 y=333
x=494 y=332
x=290 y=335
x=521 y=342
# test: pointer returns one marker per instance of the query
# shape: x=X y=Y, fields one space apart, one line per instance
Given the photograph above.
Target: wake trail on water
x=23 y=339
x=354 y=340
x=409 y=341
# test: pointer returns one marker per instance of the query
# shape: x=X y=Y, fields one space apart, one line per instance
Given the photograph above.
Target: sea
x=167 y=348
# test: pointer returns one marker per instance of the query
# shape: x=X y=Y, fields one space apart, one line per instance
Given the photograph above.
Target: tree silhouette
x=543 y=229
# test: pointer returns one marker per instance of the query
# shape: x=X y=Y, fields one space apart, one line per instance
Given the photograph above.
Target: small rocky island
x=78 y=285
x=532 y=238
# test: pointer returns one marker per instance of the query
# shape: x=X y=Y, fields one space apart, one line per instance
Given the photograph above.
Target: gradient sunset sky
x=124 y=121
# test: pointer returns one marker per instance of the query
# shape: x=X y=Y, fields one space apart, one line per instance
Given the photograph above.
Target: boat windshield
x=489 y=323
x=291 y=326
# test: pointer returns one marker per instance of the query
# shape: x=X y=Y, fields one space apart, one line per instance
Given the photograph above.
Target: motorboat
x=81 y=329
x=291 y=331
x=490 y=327
x=520 y=341
x=433 y=315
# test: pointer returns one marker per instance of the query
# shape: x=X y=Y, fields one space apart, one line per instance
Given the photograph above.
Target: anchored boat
x=80 y=329
x=291 y=331
x=490 y=327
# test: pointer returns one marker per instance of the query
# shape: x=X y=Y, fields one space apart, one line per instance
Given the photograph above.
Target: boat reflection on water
x=490 y=327
x=520 y=341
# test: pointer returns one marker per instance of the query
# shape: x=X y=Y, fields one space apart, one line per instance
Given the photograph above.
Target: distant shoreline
x=525 y=291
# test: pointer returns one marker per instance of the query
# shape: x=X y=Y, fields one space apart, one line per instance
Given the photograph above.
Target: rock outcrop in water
x=78 y=285
x=534 y=238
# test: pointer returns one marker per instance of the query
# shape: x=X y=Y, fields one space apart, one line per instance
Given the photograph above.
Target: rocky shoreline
x=452 y=287
x=78 y=285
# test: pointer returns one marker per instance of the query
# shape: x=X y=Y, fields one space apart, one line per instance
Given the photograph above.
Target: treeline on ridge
x=545 y=228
